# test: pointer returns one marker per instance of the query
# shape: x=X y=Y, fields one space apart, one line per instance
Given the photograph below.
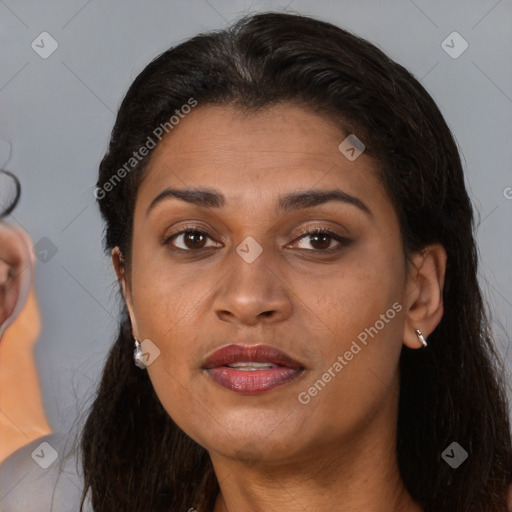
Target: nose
x=253 y=292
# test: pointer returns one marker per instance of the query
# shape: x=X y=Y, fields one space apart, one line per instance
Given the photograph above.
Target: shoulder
x=42 y=476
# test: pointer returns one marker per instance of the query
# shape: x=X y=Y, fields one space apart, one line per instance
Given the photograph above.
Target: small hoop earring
x=421 y=337
x=138 y=358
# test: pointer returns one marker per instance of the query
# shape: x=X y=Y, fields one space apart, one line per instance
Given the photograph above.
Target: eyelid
x=323 y=228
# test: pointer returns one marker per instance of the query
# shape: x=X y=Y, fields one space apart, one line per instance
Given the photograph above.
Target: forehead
x=256 y=155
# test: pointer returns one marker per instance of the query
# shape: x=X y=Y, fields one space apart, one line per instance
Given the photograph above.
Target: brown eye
x=195 y=239
x=189 y=239
x=321 y=240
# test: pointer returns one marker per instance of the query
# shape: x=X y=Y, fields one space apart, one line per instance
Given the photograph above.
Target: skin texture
x=270 y=452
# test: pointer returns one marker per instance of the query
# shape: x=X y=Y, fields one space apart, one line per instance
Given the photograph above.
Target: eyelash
x=342 y=241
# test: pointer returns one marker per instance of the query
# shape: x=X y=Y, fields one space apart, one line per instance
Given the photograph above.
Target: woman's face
x=332 y=303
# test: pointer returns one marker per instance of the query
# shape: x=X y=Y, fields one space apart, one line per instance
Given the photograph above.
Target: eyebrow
x=208 y=198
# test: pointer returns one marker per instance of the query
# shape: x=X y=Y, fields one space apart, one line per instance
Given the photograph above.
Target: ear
x=120 y=269
x=424 y=300
x=16 y=266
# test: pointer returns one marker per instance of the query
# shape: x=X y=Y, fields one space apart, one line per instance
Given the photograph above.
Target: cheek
x=360 y=338
x=171 y=309
x=162 y=293
x=357 y=295
x=167 y=315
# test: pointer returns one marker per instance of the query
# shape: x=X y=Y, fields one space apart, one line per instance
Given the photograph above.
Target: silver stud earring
x=138 y=358
x=421 y=337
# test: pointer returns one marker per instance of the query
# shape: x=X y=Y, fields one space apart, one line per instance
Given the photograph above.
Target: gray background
x=57 y=114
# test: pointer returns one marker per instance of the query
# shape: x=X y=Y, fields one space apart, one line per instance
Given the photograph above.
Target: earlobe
x=118 y=263
x=424 y=301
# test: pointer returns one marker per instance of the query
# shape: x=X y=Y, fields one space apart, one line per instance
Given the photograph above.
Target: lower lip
x=252 y=382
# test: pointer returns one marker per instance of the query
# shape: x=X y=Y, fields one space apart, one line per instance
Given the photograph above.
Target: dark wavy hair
x=134 y=456
x=11 y=201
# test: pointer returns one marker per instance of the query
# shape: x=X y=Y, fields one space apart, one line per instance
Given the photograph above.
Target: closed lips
x=251 y=370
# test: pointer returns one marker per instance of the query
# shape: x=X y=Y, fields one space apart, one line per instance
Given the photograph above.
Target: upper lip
x=237 y=353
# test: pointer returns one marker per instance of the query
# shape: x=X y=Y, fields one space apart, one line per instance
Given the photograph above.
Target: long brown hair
x=134 y=456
